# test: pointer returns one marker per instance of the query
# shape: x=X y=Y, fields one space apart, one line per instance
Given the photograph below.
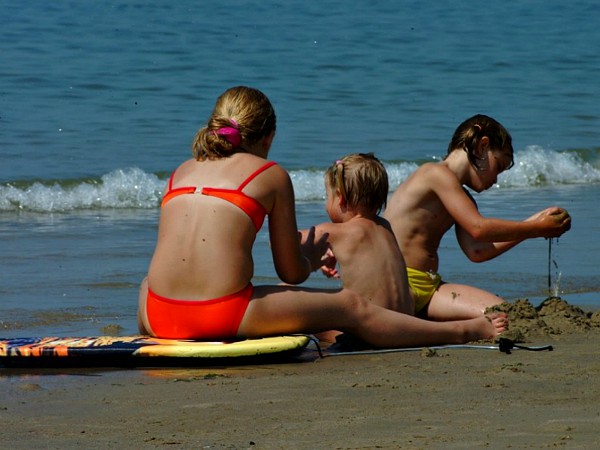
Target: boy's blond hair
x=361 y=180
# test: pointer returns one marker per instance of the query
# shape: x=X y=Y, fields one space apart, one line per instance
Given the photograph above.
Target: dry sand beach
x=449 y=398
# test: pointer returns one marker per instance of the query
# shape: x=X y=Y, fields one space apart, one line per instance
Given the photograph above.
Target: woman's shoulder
x=255 y=162
x=273 y=171
x=187 y=163
x=184 y=169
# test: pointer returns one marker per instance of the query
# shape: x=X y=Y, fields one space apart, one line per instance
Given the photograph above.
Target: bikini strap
x=175 y=192
x=171 y=180
x=255 y=174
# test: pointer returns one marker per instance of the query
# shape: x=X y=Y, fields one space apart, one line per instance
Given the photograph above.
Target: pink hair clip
x=231 y=135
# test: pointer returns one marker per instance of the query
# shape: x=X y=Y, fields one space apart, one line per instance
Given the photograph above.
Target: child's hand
x=555 y=221
x=329 y=265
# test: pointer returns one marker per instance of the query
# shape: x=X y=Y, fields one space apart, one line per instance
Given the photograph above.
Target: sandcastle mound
x=554 y=316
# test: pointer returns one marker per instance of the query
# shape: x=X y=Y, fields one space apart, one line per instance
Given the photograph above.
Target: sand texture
x=448 y=398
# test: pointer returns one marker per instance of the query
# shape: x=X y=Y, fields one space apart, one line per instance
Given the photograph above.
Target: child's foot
x=489 y=326
x=499 y=321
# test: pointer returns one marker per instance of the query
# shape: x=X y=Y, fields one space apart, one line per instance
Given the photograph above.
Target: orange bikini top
x=250 y=206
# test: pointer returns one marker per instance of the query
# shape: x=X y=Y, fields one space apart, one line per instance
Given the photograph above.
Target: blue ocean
x=99 y=102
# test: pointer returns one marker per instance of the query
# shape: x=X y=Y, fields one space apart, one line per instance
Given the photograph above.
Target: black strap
x=506 y=345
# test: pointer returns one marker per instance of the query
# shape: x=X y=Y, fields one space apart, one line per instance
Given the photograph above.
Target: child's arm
x=551 y=222
x=478 y=251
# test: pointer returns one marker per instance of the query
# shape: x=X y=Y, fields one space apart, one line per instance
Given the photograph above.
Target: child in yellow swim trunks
x=422 y=285
x=433 y=199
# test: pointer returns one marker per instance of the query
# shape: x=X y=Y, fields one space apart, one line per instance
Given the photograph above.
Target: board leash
x=505 y=345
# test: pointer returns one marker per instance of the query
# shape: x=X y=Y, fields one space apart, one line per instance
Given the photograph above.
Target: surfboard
x=143 y=351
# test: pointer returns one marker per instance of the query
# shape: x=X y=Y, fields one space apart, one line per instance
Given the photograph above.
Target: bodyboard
x=143 y=351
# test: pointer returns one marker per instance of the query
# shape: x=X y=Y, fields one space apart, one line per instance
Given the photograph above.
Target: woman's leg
x=286 y=310
x=459 y=302
x=142 y=318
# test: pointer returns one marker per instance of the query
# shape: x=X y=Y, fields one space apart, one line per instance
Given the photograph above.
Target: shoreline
x=449 y=398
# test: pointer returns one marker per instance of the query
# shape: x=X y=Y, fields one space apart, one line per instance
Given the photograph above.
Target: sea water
x=99 y=101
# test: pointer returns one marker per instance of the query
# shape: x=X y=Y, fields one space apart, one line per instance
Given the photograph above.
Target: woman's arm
x=328 y=261
x=293 y=262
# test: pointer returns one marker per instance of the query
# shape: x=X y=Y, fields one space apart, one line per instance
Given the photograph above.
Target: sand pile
x=554 y=316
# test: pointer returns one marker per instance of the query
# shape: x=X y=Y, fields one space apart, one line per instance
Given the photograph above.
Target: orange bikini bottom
x=219 y=318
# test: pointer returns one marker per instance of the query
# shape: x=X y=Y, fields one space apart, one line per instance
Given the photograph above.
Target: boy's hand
x=329 y=265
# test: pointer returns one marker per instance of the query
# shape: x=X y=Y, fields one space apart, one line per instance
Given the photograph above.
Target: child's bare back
x=362 y=242
x=370 y=261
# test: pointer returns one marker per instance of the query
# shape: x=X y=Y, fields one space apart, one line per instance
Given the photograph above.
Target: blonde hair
x=242 y=116
x=361 y=180
x=469 y=133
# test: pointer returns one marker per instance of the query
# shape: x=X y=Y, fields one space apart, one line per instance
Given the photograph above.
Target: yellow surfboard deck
x=48 y=351
x=249 y=347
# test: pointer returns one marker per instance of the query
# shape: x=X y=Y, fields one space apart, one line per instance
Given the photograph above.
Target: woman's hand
x=314 y=249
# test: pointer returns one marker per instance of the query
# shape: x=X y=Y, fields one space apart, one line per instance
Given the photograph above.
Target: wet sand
x=448 y=398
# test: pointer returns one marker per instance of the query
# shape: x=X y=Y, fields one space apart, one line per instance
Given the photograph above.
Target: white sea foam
x=133 y=188
x=536 y=166
x=123 y=188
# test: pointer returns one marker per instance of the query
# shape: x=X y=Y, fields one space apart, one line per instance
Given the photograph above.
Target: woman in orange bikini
x=199 y=284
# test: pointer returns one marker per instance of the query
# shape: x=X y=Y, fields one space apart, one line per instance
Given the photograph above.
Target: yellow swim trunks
x=423 y=285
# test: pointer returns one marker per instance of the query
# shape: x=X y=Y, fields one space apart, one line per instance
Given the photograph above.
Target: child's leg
x=285 y=310
x=459 y=302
